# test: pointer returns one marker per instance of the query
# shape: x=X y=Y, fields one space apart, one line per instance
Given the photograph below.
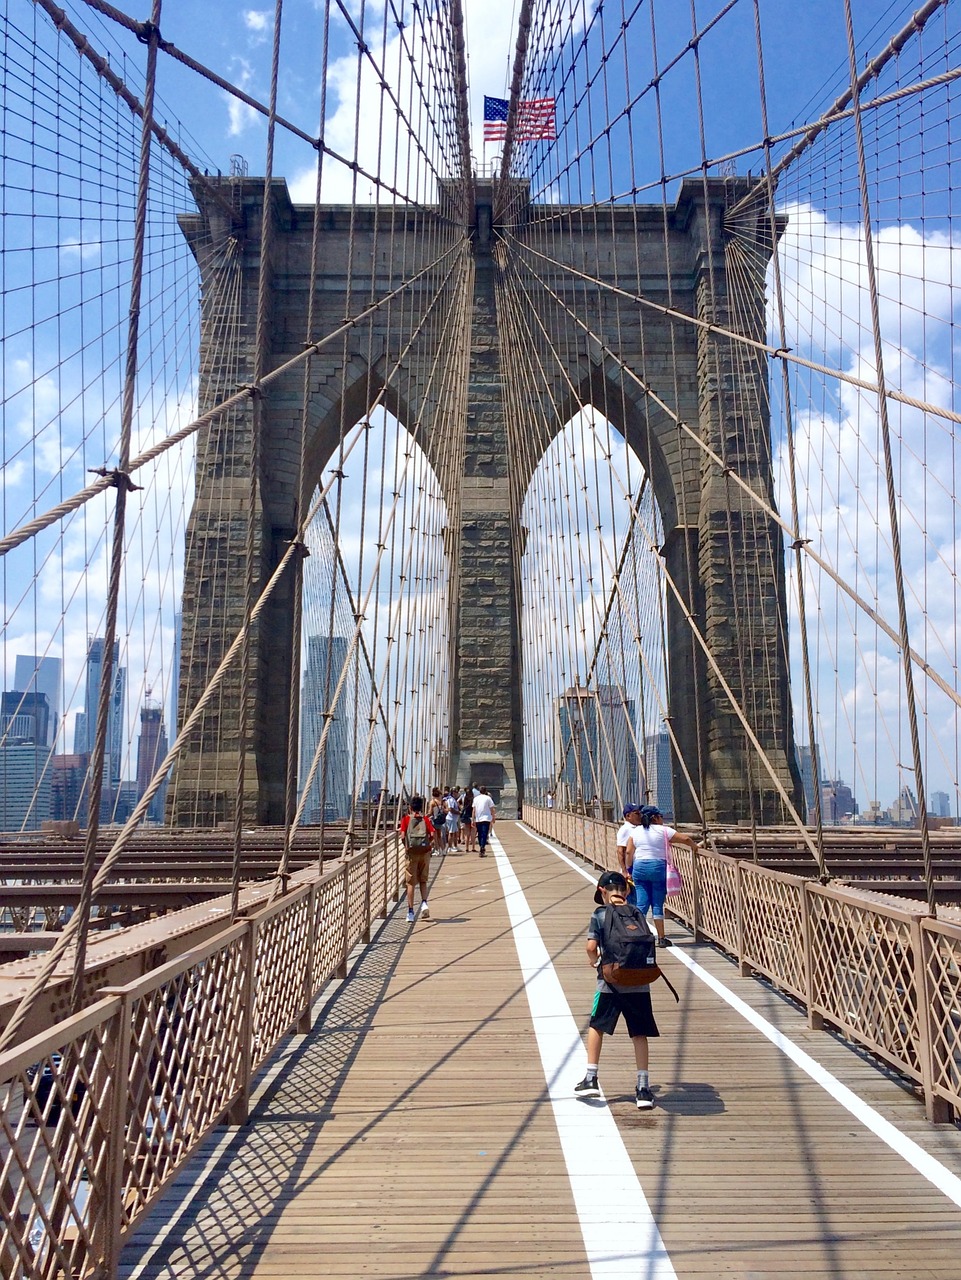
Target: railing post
x=743 y=968
x=397 y=869
x=304 y=1021
x=937 y=1110
x=341 y=971
x=239 y=1110
x=815 y=1020
x=383 y=914
x=117 y=1137
x=368 y=883
x=695 y=893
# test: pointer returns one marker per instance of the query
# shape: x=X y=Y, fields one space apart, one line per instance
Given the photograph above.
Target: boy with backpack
x=620 y=946
x=418 y=837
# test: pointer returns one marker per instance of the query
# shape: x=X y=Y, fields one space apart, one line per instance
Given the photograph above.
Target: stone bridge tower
x=725 y=559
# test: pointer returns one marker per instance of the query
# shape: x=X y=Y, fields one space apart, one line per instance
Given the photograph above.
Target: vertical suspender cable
x=121 y=480
x=870 y=267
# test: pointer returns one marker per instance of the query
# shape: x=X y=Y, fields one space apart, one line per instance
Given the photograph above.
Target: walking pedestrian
x=648 y=850
x=467 y=820
x=438 y=819
x=452 y=819
x=611 y=1001
x=484 y=817
x=417 y=833
x=632 y=819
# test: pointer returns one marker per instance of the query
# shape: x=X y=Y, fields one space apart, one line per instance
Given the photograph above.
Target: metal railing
x=98 y=1113
x=886 y=974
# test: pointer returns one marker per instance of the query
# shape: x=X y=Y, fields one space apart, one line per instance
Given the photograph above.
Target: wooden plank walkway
x=411 y=1133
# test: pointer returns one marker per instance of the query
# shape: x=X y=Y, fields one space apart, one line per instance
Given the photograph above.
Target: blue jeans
x=650 y=885
x=483 y=831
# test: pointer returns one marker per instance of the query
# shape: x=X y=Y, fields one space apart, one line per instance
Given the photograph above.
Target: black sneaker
x=643 y=1099
x=665 y=942
x=588 y=1088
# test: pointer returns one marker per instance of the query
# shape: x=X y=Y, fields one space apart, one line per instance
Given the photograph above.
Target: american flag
x=495 y=118
x=535 y=119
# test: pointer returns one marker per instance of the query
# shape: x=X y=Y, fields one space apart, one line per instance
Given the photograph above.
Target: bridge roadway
x=425 y=1127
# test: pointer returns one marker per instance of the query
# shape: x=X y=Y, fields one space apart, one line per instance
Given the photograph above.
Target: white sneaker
x=424 y=911
x=410 y=915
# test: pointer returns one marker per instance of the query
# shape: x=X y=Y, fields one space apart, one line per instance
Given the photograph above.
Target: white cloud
x=240 y=115
x=843 y=504
x=258 y=21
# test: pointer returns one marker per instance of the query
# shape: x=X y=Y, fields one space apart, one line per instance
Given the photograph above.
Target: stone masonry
x=712 y=533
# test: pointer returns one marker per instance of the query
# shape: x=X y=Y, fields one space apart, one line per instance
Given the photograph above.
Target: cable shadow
x=230 y=1213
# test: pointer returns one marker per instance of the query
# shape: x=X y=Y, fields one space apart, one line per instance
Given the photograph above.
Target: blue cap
x=631 y=808
x=651 y=811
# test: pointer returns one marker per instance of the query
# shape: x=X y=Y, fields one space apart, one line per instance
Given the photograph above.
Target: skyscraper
x=25 y=760
x=660 y=789
x=595 y=744
x=331 y=791
x=86 y=727
x=151 y=749
x=41 y=675
x=26 y=779
x=25 y=717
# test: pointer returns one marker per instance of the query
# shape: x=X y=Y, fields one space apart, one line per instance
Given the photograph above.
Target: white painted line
x=621 y=1238
x=928 y=1166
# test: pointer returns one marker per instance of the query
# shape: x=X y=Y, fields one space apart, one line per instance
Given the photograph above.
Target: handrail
x=101 y=1110
x=884 y=973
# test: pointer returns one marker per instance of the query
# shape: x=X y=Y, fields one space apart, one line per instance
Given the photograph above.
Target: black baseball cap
x=609 y=880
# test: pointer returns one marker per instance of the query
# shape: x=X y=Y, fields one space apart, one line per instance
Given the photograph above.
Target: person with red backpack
x=417 y=834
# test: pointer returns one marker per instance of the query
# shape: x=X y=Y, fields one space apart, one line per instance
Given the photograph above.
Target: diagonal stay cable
x=247 y=392
x=891 y=632
x=730 y=335
x=294 y=548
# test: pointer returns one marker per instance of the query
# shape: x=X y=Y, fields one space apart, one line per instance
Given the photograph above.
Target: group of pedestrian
x=453 y=818
x=624 y=898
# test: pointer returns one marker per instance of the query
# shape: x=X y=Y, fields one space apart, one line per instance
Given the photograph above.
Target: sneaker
x=643 y=1099
x=410 y=915
x=424 y=911
x=665 y=942
x=588 y=1088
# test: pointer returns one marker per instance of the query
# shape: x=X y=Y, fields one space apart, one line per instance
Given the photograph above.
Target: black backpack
x=629 y=949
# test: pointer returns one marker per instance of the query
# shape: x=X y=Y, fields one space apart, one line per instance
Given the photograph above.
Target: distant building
x=806 y=766
x=26 y=783
x=939 y=804
x=597 y=760
x=42 y=675
x=86 y=724
x=25 y=717
x=331 y=791
x=904 y=811
x=660 y=783
x=175 y=672
x=124 y=802
x=838 y=804
x=151 y=750
x=69 y=796
x=25 y=771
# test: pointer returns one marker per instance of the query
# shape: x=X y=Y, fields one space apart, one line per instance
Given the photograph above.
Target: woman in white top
x=649 y=845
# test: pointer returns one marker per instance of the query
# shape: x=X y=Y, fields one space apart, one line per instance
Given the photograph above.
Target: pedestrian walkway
x=425 y=1127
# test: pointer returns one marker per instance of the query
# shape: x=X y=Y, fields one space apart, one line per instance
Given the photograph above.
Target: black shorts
x=635 y=1006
